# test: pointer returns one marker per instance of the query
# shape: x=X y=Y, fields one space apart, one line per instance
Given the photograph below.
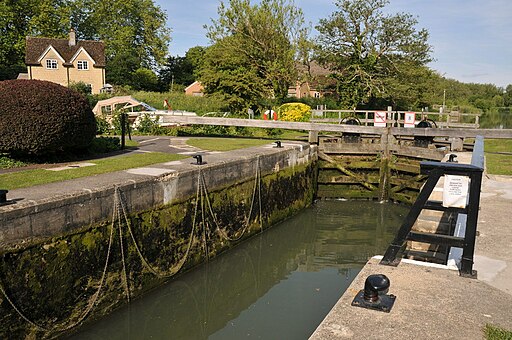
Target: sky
x=471 y=39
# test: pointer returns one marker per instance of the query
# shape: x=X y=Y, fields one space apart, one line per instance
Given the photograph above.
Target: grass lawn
x=498 y=164
x=225 y=144
x=28 y=178
x=293 y=135
x=496 y=333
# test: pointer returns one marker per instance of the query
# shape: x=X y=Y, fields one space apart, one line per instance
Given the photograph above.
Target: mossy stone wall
x=76 y=277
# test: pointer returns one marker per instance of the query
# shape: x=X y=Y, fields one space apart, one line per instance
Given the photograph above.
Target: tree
x=129 y=28
x=181 y=70
x=364 y=47
x=254 y=51
x=19 y=18
x=229 y=74
x=195 y=56
x=144 y=79
x=134 y=28
x=507 y=96
x=121 y=68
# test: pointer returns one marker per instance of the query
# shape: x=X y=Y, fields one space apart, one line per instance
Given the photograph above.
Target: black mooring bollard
x=199 y=160
x=3 y=196
x=374 y=286
x=278 y=144
x=451 y=158
x=373 y=296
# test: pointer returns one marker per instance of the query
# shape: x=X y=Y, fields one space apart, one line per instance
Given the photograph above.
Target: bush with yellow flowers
x=294 y=112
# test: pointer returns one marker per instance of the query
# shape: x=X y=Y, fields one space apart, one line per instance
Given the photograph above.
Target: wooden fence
x=452 y=119
x=315 y=128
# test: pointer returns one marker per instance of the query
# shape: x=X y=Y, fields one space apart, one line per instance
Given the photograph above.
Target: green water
x=277 y=285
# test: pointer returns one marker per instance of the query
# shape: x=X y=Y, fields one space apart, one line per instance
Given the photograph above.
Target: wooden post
x=123 y=130
x=456 y=144
x=313 y=137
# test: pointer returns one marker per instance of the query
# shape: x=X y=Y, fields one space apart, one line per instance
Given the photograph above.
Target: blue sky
x=472 y=39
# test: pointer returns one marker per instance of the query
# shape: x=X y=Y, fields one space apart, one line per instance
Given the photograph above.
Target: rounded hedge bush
x=40 y=118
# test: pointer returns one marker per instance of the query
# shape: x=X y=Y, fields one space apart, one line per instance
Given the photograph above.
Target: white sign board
x=379 y=118
x=455 y=191
x=409 y=119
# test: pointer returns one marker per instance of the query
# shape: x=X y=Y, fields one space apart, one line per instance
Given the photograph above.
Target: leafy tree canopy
x=364 y=46
x=253 y=50
x=19 y=18
x=130 y=28
x=181 y=70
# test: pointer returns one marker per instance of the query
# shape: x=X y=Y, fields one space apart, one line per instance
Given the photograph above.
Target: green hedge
x=40 y=118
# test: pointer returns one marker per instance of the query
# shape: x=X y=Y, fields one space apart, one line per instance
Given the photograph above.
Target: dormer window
x=51 y=64
x=82 y=65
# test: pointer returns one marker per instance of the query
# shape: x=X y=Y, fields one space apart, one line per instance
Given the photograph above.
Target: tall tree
x=364 y=46
x=181 y=70
x=128 y=27
x=507 y=96
x=254 y=50
x=19 y=18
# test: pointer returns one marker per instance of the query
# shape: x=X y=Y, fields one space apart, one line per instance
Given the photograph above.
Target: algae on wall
x=64 y=281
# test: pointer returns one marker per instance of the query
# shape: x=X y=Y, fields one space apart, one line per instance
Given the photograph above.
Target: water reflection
x=278 y=285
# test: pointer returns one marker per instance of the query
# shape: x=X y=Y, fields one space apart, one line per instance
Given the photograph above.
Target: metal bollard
x=424 y=141
x=451 y=158
x=373 y=296
x=199 y=160
x=350 y=137
x=3 y=196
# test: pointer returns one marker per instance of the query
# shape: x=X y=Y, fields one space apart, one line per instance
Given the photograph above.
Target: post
x=466 y=263
x=313 y=137
x=456 y=144
x=123 y=130
x=3 y=195
x=444 y=100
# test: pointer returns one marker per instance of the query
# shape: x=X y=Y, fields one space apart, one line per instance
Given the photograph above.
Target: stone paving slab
x=431 y=303
x=30 y=195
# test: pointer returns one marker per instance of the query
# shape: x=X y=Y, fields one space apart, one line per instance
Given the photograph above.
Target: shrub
x=81 y=87
x=102 y=126
x=102 y=144
x=7 y=162
x=147 y=125
x=40 y=118
x=294 y=112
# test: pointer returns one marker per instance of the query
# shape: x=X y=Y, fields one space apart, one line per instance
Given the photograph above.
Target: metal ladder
x=435 y=170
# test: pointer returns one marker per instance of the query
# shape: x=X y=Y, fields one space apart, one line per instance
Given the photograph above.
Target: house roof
x=36 y=47
x=193 y=84
x=315 y=69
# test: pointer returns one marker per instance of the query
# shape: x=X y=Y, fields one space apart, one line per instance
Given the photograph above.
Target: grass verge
x=496 y=333
x=28 y=178
x=498 y=164
x=225 y=144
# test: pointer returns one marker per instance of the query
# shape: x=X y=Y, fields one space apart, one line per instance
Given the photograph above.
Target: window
x=51 y=64
x=82 y=65
x=106 y=109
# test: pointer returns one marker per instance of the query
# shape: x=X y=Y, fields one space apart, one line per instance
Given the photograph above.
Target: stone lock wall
x=70 y=260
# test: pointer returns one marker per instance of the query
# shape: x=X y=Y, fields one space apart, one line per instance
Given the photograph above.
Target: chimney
x=72 y=37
